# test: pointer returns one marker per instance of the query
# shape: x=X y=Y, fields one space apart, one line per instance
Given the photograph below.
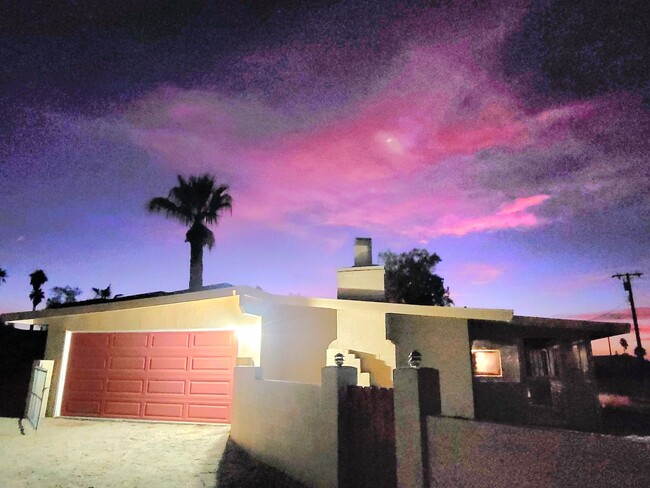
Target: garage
x=174 y=376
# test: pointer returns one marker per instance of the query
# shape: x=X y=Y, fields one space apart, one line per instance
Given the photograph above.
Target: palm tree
x=37 y=279
x=3 y=275
x=197 y=203
x=624 y=345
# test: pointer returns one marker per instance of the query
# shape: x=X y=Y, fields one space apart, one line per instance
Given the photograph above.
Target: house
x=171 y=356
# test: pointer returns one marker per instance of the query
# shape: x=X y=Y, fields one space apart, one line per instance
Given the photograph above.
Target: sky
x=510 y=138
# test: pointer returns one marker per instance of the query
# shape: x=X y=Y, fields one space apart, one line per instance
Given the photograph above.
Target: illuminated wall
x=216 y=313
x=444 y=345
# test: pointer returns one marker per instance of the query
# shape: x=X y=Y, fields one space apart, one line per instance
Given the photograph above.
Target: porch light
x=415 y=358
x=338 y=359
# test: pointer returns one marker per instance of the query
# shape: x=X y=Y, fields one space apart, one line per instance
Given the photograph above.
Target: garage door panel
x=166 y=387
x=168 y=363
x=91 y=340
x=131 y=409
x=83 y=407
x=129 y=363
x=125 y=386
x=89 y=362
x=220 y=388
x=214 y=413
x=170 y=339
x=205 y=339
x=159 y=376
x=124 y=339
x=164 y=410
x=211 y=363
x=86 y=385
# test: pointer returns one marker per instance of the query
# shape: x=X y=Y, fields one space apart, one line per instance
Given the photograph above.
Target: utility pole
x=627 y=286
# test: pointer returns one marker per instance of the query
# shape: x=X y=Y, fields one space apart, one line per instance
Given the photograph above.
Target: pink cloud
x=401 y=159
x=510 y=216
x=521 y=204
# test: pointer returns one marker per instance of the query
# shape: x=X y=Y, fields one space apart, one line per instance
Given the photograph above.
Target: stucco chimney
x=362 y=251
x=363 y=281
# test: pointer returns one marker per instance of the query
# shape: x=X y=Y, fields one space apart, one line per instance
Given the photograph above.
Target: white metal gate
x=36 y=396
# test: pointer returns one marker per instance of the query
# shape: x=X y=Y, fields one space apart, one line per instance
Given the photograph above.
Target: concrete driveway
x=101 y=454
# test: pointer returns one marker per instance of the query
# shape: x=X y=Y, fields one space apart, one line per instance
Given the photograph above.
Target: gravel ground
x=67 y=453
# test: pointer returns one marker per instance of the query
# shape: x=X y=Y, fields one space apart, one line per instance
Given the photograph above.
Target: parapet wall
x=291 y=426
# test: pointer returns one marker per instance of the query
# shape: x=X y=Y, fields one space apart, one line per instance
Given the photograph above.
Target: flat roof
x=596 y=330
x=253 y=300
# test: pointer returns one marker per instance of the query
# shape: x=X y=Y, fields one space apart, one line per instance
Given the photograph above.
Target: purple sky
x=512 y=141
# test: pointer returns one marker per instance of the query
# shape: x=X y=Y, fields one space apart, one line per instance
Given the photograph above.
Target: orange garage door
x=182 y=376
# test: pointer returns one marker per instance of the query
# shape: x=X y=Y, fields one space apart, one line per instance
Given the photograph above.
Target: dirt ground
x=67 y=453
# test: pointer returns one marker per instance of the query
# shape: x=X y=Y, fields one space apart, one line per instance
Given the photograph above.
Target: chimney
x=363 y=281
x=362 y=251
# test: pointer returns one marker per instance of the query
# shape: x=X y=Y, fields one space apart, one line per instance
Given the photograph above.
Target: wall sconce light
x=415 y=358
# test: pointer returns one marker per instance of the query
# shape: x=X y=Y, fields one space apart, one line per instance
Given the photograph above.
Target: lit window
x=487 y=362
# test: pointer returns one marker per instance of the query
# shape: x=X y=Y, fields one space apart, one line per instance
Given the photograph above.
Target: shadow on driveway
x=238 y=469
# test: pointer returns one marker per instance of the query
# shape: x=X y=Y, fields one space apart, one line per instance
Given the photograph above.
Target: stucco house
x=171 y=356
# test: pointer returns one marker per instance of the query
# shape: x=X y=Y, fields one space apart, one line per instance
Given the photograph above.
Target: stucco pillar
x=333 y=380
x=416 y=395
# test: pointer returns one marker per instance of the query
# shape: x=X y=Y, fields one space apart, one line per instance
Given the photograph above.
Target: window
x=581 y=356
x=542 y=360
x=487 y=362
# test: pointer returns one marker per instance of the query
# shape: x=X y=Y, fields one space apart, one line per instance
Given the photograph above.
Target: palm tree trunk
x=196 y=265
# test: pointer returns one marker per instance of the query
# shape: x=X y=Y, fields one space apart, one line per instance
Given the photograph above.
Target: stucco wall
x=444 y=345
x=217 y=313
x=466 y=453
x=295 y=341
x=291 y=426
x=363 y=333
x=361 y=283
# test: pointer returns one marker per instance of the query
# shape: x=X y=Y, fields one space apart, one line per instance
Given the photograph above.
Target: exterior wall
x=295 y=341
x=468 y=453
x=291 y=426
x=569 y=394
x=218 y=313
x=502 y=398
x=444 y=345
x=361 y=283
x=363 y=333
x=416 y=395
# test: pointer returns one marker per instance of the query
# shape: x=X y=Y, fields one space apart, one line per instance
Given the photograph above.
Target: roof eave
x=595 y=330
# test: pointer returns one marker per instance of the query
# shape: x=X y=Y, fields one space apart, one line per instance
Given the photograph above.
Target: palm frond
x=220 y=200
x=37 y=278
x=170 y=209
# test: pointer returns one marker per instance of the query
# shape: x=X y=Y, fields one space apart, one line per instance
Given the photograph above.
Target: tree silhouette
x=62 y=295
x=196 y=202
x=103 y=293
x=409 y=278
x=624 y=345
x=37 y=279
x=3 y=275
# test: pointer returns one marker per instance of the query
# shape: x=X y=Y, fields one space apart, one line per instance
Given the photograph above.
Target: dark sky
x=509 y=137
